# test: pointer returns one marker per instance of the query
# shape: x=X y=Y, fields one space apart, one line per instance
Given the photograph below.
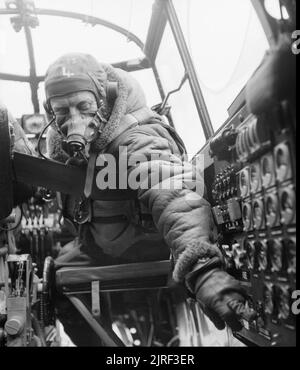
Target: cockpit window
x=133 y=15
x=183 y=108
x=227 y=43
x=75 y=36
x=146 y=79
x=58 y=34
x=12 y=49
x=17 y=95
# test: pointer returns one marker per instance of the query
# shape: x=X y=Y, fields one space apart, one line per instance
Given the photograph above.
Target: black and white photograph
x=148 y=177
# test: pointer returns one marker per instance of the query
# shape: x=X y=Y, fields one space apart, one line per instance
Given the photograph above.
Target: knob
x=15 y=325
x=255 y=178
x=283 y=162
x=283 y=301
x=290 y=255
x=267 y=165
x=258 y=214
x=261 y=254
x=247 y=216
x=272 y=210
x=268 y=299
x=288 y=205
x=244 y=182
x=250 y=251
x=275 y=255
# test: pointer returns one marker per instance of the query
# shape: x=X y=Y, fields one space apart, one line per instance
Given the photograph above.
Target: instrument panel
x=253 y=197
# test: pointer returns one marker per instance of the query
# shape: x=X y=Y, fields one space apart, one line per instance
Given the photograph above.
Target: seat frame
x=72 y=281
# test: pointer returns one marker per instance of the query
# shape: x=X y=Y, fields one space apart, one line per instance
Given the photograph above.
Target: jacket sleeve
x=172 y=189
x=20 y=142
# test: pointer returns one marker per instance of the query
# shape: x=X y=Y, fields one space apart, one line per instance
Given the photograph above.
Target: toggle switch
x=283 y=166
x=241 y=148
x=283 y=301
x=268 y=296
x=261 y=251
x=255 y=178
x=267 y=171
x=244 y=183
x=253 y=135
x=272 y=210
x=275 y=252
x=247 y=216
x=250 y=252
x=289 y=247
x=287 y=205
x=258 y=214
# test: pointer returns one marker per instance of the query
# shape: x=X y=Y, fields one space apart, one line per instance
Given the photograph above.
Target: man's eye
x=84 y=106
x=61 y=111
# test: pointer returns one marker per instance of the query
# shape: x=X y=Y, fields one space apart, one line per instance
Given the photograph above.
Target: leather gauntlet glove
x=220 y=296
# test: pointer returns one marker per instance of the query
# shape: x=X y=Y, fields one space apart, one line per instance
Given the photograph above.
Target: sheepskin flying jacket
x=182 y=217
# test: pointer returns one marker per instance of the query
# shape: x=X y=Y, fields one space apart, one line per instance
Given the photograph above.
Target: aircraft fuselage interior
x=222 y=74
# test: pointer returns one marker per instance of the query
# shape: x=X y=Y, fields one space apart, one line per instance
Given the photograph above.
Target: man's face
x=78 y=106
x=74 y=113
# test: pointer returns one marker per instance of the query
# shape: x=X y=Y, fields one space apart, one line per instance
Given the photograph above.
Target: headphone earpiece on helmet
x=111 y=92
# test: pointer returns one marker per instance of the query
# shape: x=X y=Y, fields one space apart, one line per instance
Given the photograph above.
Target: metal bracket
x=108 y=338
x=95 y=290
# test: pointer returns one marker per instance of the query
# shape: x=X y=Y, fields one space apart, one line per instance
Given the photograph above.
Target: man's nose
x=74 y=117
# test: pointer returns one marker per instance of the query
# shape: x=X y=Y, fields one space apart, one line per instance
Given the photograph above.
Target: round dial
x=33 y=124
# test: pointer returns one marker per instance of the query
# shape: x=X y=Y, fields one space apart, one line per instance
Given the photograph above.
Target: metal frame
x=156 y=30
x=190 y=69
x=108 y=339
x=68 y=278
x=155 y=33
x=83 y=17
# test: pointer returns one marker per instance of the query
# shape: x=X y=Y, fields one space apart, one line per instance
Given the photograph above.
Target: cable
x=40 y=138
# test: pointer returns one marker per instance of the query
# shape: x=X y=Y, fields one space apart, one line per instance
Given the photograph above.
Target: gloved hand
x=221 y=297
